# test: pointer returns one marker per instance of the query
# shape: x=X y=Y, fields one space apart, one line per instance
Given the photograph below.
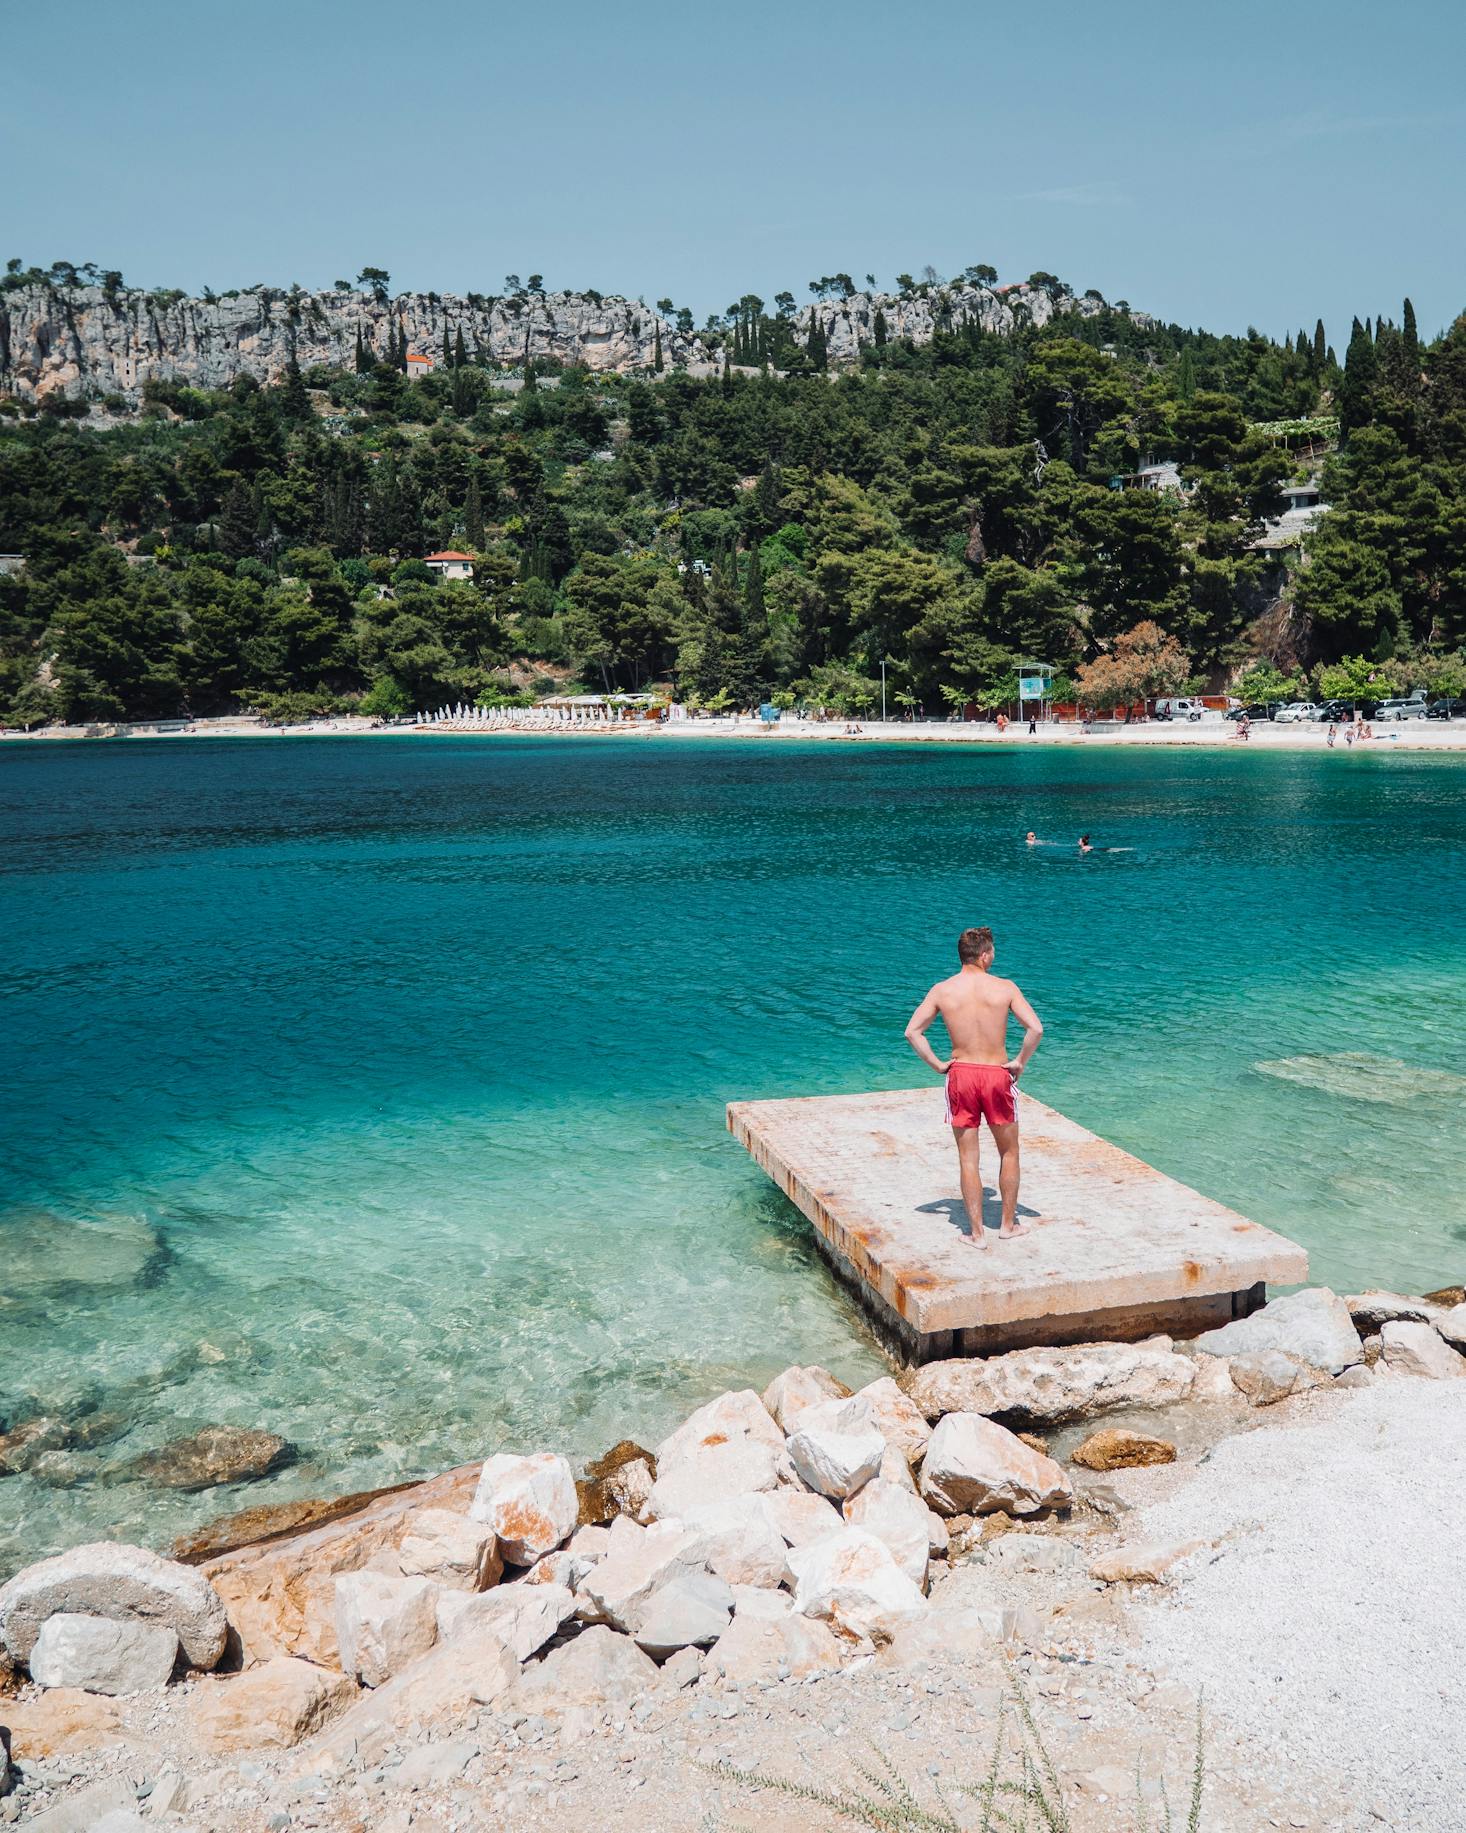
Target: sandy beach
x=1406 y=735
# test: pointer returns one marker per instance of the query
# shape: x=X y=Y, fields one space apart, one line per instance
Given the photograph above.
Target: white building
x=450 y=564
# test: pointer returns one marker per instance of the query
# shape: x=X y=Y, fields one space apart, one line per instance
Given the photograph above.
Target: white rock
x=599 y=1668
x=623 y=1583
x=711 y=1473
x=726 y=1420
x=974 y=1467
x=759 y=1601
x=1143 y=1565
x=1053 y=1385
x=1267 y=1376
x=684 y=1667
x=938 y=1536
x=101 y=1655
x=455 y=1552
x=1452 y=1326
x=1358 y=1376
x=850 y=1581
x=1313 y=1325
x=530 y=1503
x=523 y=1616
x=899 y=1519
x=895 y=1469
x=737 y=1541
x=383 y=1622
x=951 y=1633
x=128 y=1584
x=1417 y=1349
x=1213 y=1379
x=799 y=1516
x=835 y=1446
x=767 y=1648
x=787 y=1395
x=896 y=1416
x=692 y=1608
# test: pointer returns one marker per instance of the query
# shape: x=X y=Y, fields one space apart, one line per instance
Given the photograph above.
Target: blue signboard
x=1030 y=687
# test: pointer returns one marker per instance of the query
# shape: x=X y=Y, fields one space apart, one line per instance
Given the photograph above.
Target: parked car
x=1256 y=711
x=1179 y=709
x=1294 y=712
x=1340 y=712
x=1447 y=709
x=1411 y=708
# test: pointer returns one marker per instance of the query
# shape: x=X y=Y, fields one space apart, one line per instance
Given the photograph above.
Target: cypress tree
x=1320 y=346
x=1411 y=335
x=753 y=589
x=657 y=347
x=236 y=521
x=1186 y=375
x=296 y=403
x=460 y=354
x=1356 y=390
x=447 y=345
x=473 y=514
x=363 y=361
x=880 y=332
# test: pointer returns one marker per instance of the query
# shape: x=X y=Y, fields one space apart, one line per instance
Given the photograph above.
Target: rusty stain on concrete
x=877 y=1176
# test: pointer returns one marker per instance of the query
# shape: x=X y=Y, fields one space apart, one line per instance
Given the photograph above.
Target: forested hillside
x=950 y=507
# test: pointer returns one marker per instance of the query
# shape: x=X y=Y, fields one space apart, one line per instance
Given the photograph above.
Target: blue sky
x=1219 y=165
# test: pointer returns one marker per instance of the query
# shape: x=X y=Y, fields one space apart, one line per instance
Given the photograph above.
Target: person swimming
x=1030 y=838
x=1084 y=845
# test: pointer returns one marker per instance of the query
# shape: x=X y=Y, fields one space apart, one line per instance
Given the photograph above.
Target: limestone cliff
x=89 y=342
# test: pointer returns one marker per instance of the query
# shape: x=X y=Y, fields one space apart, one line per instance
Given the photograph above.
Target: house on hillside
x=1305 y=505
x=418 y=365
x=11 y=564
x=450 y=564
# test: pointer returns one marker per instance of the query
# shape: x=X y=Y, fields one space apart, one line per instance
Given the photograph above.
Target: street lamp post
x=883 y=690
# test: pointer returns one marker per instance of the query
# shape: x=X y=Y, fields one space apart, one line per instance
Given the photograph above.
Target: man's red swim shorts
x=980 y=1091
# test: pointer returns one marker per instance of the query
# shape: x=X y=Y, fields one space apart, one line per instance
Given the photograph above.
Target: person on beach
x=982 y=1079
x=1333 y=734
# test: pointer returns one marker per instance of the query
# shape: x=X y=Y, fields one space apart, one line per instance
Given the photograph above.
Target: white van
x=1189 y=707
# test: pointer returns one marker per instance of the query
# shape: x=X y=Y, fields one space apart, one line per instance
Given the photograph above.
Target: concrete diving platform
x=1115 y=1248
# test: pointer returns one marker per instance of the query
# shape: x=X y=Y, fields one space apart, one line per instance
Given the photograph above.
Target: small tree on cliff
x=376 y=281
x=1142 y=664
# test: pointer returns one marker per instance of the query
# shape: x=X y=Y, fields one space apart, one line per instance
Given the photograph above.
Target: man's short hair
x=973 y=944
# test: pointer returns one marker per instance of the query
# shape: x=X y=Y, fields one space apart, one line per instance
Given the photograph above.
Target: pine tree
x=473 y=515
x=236 y=522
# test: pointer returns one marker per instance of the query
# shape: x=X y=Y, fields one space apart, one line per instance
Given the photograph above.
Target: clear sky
x=1219 y=164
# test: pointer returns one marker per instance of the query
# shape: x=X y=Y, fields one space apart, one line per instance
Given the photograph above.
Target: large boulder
x=691 y=1610
x=383 y=1621
x=276 y=1705
x=973 y=1466
x=763 y=1648
x=1113 y=1448
x=1267 y=1376
x=599 y=1668
x=1417 y=1349
x=529 y=1502
x=128 y=1584
x=1053 y=1385
x=211 y=1456
x=896 y=1416
x=622 y=1584
x=59 y=1721
x=523 y=1616
x=617 y=1483
x=850 y=1581
x=280 y=1591
x=799 y=1517
x=1143 y=1564
x=454 y=1551
x=731 y=1417
x=737 y=1540
x=102 y=1655
x=1451 y=1324
x=899 y=1518
x=835 y=1446
x=1313 y=1325
x=787 y=1395
x=1370 y=1311
x=713 y=1472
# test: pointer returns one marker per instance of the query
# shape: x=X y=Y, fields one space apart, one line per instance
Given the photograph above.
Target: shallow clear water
x=395 y=1068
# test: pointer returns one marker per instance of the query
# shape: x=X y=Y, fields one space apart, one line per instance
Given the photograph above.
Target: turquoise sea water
x=370 y=1091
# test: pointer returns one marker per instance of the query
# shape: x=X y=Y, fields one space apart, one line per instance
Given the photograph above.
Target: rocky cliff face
x=86 y=342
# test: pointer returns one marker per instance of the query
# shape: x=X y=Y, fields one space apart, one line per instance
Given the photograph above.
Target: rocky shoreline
x=511 y=1644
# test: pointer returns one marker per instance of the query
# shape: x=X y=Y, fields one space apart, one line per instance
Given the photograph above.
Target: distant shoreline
x=1406 y=735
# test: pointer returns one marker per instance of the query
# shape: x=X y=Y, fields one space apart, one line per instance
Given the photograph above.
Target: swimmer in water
x=1030 y=838
x=1084 y=845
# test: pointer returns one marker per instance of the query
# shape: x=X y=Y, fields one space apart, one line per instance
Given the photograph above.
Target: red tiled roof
x=449 y=553
x=418 y=359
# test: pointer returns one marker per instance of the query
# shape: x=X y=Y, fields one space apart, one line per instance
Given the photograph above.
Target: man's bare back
x=982 y=1078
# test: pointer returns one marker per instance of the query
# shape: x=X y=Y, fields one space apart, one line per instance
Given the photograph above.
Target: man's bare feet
x=978 y=1236
x=1008 y=1234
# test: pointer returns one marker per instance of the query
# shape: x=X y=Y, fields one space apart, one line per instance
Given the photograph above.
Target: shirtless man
x=981 y=1077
